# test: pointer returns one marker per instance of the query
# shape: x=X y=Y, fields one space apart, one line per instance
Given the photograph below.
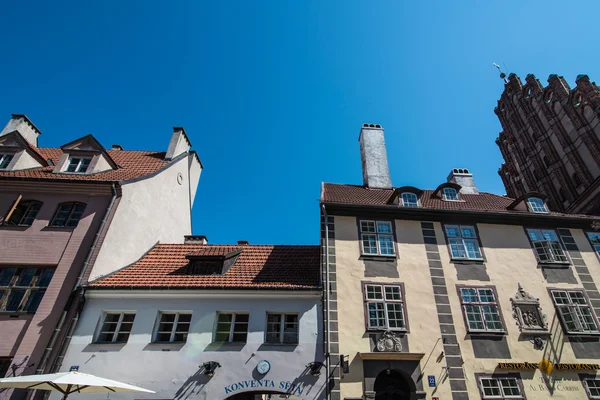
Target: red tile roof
x=214 y=251
x=360 y=195
x=132 y=164
x=257 y=267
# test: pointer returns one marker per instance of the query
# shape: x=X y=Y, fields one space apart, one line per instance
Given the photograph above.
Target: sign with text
x=431 y=380
x=548 y=367
x=284 y=386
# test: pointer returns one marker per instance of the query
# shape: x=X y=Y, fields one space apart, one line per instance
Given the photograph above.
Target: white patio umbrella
x=69 y=382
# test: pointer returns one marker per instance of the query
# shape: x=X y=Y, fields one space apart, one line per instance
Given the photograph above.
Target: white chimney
x=462 y=177
x=179 y=144
x=195 y=239
x=22 y=124
x=376 y=173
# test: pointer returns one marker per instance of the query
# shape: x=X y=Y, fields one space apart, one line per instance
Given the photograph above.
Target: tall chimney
x=376 y=173
x=180 y=143
x=22 y=124
x=462 y=177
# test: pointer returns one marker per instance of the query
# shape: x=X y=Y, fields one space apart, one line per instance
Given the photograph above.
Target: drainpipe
x=328 y=347
x=86 y=265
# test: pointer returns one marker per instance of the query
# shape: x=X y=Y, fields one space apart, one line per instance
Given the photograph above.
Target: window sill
x=565 y=264
x=59 y=228
x=110 y=343
x=467 y=260
x=582 y=335
x=15 y=227
x=487 y=333
x=378 y=256
x=167 y=343
x=228 y=343
x=395 y=330
x=280 y=344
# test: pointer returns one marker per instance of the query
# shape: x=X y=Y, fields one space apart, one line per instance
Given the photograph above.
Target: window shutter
x=12 y=209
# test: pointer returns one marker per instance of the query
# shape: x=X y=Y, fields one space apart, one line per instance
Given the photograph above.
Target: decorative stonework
x=389 y=342
x=528 y=313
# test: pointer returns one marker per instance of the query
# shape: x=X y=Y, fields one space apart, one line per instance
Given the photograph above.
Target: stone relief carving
x=529 y=316
x=389 y=342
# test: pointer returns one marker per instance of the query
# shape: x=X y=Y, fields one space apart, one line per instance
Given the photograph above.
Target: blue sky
x=273 y=93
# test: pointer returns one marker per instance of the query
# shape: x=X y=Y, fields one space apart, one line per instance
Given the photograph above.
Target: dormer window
x=5 y=160
x=409 y=199
x=537 y=205
x=206 y=268
x=450 y=194
x=212 y=260
x=78 y=164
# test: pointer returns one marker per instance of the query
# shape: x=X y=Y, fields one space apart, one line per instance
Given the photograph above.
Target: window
x=78 y=164
x=385 y=307
x=574 y=311
x=377 y=238
x=481 y=309
x=547 y=246
x=5 y=160
x=4 y=365
x=68 y=214
x=537 y=205
x=595 y=239
x=24 y=213
x=592 y=387
x=500 y=387
x=173 y=327
x=463 y=242
x=450 y=194
x=116 y=327
x=22 y=289
x=232 y=327
x=410 y=199
x=282 y=328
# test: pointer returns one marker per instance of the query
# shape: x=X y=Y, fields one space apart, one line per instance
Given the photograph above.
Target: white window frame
x=80 y=163
x=174 y=330
x=594 y=238
x=378 y=235
x=535 y=207
x=481 y=304
x=462 y=241
x=446 y=196
x=575 y=310
x=4 y=157
x=282 y=331
x=549 y=247
x=385 y=302
x=498 y=380
x=404 y=202
x=234 y=315
x=118 y=327
x=587 y=387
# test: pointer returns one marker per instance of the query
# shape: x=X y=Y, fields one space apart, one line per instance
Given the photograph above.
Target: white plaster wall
x=25 y=161
x=173 y=370
x=195 y=171
x=101 y=165
x=151 y=210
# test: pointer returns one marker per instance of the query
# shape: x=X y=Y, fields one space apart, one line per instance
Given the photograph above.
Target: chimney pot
x=117 y=147
x=462 y=177
x=376 y=173
x=195 y=239
x=243 y=242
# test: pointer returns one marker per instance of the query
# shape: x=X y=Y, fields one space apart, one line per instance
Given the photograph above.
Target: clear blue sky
x=273 y=93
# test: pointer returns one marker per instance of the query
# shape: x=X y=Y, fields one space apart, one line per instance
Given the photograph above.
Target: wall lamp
x=210 y=367
x=315 y=368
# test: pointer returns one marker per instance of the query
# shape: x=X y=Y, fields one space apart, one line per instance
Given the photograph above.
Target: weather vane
x=502 y=74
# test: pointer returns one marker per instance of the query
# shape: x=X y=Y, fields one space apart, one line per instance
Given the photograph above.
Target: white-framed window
x=480 y=308
x=116 y=327
x=24 y=213
x=232 y=327
x=595 y=240
x=384 y=306
x=537 y=205
x=463 y=242
x=78 y=164
x=22 y=289
x=574 y=311
x=282 y=328
x=377 y=238
x=450 y=194
x=173 y=327
x=500 y=387
x=592 y=387
x=68 y=214
x=409 y=199
x=5 y=160
x=547 y=246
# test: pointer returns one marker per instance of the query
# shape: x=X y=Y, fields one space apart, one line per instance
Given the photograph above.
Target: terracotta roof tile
x=257 y=267
x=132 y=164
x=217 y=251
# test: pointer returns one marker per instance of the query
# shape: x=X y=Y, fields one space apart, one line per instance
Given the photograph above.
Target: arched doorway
x=392 y=385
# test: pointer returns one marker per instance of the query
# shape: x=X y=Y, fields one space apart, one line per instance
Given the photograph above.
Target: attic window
x=206 y=267
x=78 y=164
x=409 y=199
x=537 y=205
x=450 y=194
x=5 y=160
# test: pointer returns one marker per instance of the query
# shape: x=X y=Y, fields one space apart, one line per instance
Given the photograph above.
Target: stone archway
x=392 y=385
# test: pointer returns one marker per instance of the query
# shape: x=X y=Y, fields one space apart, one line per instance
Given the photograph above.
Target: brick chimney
x=376 y=173
x=464 y=178
x=22 y=124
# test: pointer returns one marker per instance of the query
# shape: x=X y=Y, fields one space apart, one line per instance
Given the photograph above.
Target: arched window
x=450 y=194
x=549 y=96
x=68 y=214
x=410 y=199
x=24 y=213
x=577 y=100
x=537 y=205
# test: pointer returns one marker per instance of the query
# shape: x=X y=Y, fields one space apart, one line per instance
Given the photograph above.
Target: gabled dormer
x=530 y=202
x=16 y=153
x=84 y=156
x=447 y=191
x=406 y=196
x=212 y=260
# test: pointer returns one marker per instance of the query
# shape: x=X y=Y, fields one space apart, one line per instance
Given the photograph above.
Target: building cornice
x=196 y=294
